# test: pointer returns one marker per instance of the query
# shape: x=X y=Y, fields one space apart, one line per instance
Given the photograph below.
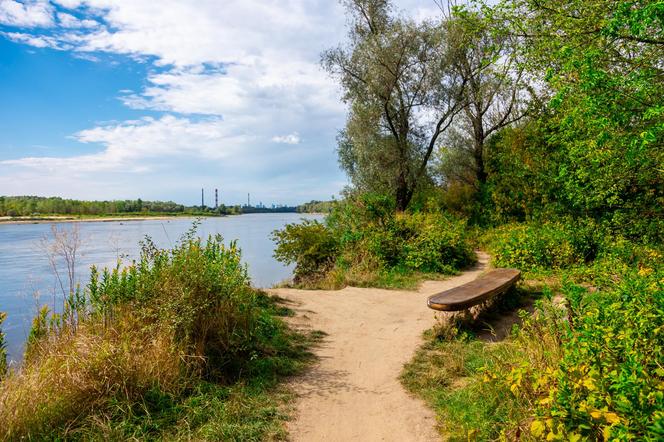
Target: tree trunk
x=403 y=194
x=480 y=171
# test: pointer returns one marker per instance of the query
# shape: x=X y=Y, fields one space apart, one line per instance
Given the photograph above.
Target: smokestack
x=248 y=200
x=216 y=198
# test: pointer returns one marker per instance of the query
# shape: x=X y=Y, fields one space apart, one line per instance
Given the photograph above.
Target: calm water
x=27 y=281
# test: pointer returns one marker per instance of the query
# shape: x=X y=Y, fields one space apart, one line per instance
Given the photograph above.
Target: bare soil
x=353 y=392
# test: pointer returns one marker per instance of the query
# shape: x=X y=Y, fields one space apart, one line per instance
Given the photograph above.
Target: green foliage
x=365 y=235
x=38 y=330
x=607 y=383
x=36 y=206
x=311 y=245
x=602 y=63
x=542 y=246
x=314 y=206
x=610 y=378
x=523 y=169
x=201 y=292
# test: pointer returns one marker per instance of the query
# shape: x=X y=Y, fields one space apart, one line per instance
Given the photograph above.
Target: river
x=28 y=281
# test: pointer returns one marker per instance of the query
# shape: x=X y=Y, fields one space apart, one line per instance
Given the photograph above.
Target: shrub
x=541 y=246
x=606 y=381
x=365 y=242
x=310 y=245
x=200 y=291
x=436 y=243
x=609 y=382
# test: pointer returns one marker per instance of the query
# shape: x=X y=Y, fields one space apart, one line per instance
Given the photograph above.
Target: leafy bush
x=309 y=244
x=543 y=246
x=364 y=239
x=200 y=291
x=608 y=383
x=610 y=379
x=436 y=243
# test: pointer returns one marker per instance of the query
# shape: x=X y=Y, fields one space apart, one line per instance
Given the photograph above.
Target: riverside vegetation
x=533 y=130
x=35 y=207
x=175 y=346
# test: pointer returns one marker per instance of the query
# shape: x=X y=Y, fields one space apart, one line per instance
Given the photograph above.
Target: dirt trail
x=353 y=393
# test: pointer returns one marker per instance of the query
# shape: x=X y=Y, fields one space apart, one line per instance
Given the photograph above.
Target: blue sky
x=106 y=99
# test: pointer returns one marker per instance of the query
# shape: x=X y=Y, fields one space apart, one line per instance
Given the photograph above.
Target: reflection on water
x=26 y=280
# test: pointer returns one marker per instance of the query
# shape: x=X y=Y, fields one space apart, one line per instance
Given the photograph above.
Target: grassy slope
x=252 y=409
x=450 y=371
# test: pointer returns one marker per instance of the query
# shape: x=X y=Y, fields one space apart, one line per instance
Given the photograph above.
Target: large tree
x=604 y=61
x=497 y=92
x=403 y=93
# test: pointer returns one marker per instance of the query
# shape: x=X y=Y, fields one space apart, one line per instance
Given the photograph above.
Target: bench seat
x=474 y=292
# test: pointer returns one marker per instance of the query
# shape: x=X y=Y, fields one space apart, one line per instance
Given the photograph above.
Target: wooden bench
x=475 y=292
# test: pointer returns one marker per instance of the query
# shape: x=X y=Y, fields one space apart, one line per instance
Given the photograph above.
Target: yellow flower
x=596 y=414
x=611 y=417
x=589 y=383
x=537 y=428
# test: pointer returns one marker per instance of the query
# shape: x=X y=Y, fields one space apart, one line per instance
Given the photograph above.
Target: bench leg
x=462 y=318
x=449 y=324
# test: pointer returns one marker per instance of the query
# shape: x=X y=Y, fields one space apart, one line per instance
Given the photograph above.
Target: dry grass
x=76 y=373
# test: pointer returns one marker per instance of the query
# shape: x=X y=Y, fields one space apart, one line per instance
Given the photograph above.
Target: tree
x=397 y=78
x=496 y=94
x=603 y=62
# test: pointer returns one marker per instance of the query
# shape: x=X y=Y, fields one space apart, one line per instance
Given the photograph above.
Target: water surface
x=27 y=280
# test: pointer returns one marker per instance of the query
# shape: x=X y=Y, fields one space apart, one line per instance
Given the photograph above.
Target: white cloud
x=69 y=21
x=293 y=138
x=28 y=14
x=37 y=41
x=187 y=33
x=132 y=145
x=250 y=67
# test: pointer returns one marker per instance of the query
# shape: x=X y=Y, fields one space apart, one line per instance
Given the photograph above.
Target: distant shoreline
x=70 y=219
x=116 y=218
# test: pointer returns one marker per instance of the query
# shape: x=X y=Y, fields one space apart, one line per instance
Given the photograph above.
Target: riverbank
x=25 y=269
x=106 y=218
x=180 y=347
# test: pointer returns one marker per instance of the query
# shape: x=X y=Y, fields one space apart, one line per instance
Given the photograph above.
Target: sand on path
x=353 y=392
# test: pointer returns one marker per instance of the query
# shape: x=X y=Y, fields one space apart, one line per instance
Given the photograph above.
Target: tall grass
x=135 y=351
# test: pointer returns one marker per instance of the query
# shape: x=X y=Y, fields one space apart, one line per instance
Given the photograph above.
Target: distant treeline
x=36 y=206
x=314 y=206
x=281 y=209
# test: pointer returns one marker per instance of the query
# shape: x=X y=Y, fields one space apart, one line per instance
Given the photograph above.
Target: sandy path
x=353 y=392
